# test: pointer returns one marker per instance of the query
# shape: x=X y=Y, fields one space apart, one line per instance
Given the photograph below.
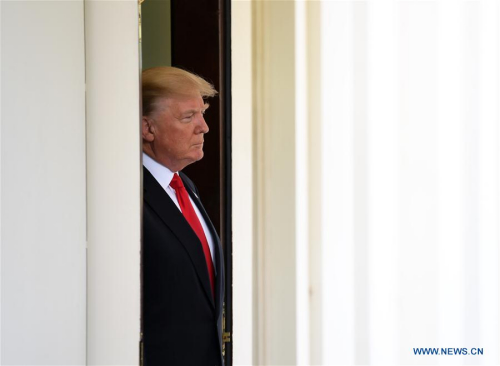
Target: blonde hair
x=166 y=81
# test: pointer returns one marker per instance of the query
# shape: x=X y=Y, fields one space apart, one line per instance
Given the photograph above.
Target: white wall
x=43 y=213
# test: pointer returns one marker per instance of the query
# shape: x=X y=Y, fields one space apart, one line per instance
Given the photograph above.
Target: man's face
x=178 y=127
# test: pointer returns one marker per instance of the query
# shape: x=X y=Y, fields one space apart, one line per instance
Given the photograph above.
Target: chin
x=198 y=156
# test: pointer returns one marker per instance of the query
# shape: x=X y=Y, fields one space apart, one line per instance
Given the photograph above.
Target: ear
x=147 y=129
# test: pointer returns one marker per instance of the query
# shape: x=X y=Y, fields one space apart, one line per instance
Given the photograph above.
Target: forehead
x=181 y=103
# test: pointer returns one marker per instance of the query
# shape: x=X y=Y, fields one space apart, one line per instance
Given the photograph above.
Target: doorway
x=195 y=36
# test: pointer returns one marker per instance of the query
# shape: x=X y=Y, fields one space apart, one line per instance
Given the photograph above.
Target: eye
x=188 y=118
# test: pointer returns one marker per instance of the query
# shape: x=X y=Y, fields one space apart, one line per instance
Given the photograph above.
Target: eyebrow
x=190 y=111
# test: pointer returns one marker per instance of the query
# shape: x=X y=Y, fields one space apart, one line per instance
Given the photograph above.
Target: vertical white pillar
x=275 y=181
x=417 y=317
x=301 y=178
x=337 y=258
x=43 y=224
x=489 y=180
x=382 y=200
x=450 y=156
x=113 y=182
x=315 y=181
x=243 y=174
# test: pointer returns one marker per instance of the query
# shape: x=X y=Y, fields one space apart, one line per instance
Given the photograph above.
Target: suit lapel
x=162 y=204
x=219 y=283
x=217 y=245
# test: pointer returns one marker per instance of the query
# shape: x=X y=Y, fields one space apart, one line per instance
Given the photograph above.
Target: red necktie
x=191 y=217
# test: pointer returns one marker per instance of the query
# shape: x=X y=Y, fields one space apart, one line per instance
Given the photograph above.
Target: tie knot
x=176 y=182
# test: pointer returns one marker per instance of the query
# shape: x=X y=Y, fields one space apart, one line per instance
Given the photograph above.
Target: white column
x=43 y=223
x=383 y=164
x=243 y=199
x=489 y=181
x=337 y=128
x=302 y=181
x=314 y=181
x=450 y=157
x=417 y=317
x=113 y=182
x=275 y=181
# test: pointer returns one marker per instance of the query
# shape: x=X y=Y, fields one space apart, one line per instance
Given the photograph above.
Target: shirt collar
x=161 y=173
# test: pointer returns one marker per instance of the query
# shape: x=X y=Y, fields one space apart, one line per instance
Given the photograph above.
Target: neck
x=150 y=152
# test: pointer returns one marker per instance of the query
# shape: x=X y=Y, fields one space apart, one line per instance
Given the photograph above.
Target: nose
x=203 y=127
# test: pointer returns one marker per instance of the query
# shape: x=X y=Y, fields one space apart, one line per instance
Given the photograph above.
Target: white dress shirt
x=164 y=176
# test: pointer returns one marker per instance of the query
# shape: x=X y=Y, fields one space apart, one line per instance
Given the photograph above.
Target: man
x=183 y=272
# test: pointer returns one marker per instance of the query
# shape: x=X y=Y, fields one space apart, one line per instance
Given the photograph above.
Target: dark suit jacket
x=182 y=322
